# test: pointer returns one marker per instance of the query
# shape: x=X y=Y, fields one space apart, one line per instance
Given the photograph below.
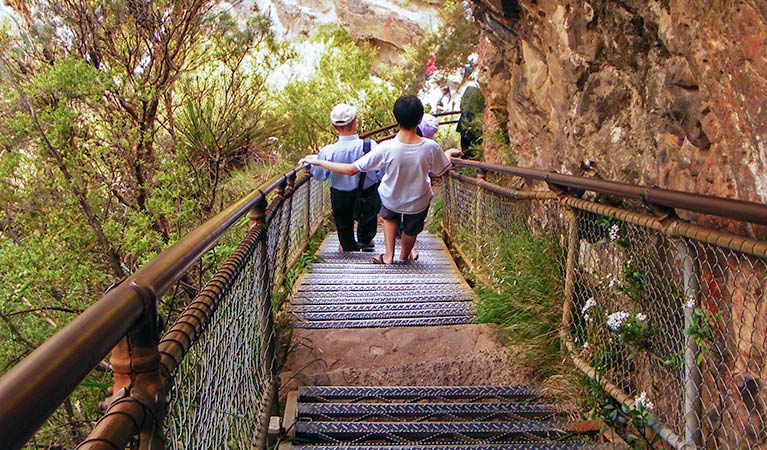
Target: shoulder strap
x=365 y=150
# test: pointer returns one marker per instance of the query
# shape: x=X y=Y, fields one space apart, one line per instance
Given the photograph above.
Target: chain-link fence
x=668 y=317
x=225 y=384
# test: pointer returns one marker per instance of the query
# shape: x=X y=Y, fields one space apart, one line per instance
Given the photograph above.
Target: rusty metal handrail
x=707 y=204
x=34 y=388
x=386 y=128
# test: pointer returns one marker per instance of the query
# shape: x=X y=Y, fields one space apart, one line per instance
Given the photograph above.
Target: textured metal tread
x=326 y=393
x=333 y=298
x=521 y=446
x=378 y=287
x=379 y=269
x=387 y=313
x=404 y=306
x=387 y=323
x=378 y=278
x=394 y=291
x=419 y=429
x=424 y=409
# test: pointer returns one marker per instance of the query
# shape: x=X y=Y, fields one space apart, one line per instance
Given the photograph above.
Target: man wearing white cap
x=347 y=200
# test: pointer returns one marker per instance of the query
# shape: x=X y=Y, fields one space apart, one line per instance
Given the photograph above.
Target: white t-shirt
x=405 y=187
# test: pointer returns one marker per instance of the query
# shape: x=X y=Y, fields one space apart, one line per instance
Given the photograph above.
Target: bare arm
x=453 y=153
x=342 y=168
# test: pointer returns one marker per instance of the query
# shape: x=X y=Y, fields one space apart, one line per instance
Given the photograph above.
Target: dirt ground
x=407 y=356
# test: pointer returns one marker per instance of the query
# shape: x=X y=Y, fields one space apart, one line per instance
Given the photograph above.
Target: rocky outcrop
x=657 y=92
x=389 y=25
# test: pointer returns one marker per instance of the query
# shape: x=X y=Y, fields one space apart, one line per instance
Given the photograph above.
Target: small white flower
x=616 y=319
x=691 y=303
x=640 y=317
x=587 y=318
x=610 y=280
x=614 y=232
x=641 y=402
x=590 y=303
x=585 y=346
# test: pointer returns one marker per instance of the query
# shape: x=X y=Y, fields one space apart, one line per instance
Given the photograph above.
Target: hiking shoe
x=366 y=247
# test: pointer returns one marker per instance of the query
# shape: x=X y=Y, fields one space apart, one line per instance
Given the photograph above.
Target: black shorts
x=412 y=223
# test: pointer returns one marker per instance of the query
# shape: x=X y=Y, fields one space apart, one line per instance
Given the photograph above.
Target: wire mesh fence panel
x=319 y=203
x=221 y=388
x=224 y=385
x=668 y=323
x=299 y=218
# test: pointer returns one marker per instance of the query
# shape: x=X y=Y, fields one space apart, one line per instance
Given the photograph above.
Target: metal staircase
x=426 y=418
x=346 y=290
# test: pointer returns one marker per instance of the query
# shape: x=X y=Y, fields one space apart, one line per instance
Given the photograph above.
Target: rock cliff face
x=666 y=92
x=387 y=24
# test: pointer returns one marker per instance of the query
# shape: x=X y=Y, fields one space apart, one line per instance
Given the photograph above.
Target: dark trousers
x=344 y=215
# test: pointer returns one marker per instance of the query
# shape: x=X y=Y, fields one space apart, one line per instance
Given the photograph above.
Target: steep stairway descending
x=425 y=417
x=346 y=290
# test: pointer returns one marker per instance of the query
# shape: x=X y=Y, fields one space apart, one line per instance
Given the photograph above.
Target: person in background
x=428 y=126
x=470 y=122
x=405 y=188
x=431 y=66
x=345 y=195
x=445 y=102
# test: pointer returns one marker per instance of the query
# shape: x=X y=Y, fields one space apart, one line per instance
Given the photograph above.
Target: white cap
x=342 y=114
x=428 y=126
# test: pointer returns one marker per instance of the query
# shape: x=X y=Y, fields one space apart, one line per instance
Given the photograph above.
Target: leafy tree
x=107 y=110
x=456 y=39
x=341 y=75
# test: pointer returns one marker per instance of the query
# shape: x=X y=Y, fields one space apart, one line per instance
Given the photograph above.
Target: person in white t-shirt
x=407 y=162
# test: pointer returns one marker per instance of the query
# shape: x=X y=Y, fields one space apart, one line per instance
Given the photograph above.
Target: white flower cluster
x=616 y=319
x=641 y=402
x=590 y=303
x=614 y=232
x=640 y=317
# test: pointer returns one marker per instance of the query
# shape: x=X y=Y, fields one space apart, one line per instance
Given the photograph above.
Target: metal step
x=358 y=393
x=426 y=418
x=379 y=278
x=387 y=313
x=360 y=298
x=349 y=307
x=387 y=323
x=492 y=431
x=423 y=411
x=521 y=446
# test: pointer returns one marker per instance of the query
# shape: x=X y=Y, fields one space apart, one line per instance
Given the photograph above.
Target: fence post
x=572 y=259
x=266 y=321
x=692 y=376
x=481 y=175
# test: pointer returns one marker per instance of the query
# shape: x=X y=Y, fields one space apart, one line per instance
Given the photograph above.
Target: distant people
x=349 y=200
x=431 y=66
x=470 y=122
x=445 y=102
x=471 y=61
x=405 y=189
x=428 y=126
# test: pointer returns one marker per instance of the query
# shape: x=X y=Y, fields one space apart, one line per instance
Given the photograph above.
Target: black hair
x=408 y=110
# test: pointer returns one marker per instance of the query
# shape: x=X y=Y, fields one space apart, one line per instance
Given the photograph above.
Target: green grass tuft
x=526 y=294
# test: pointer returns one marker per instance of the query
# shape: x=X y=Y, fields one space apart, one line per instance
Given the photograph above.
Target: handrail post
x=137 y=378
x=308 y=211
x=283 y=245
